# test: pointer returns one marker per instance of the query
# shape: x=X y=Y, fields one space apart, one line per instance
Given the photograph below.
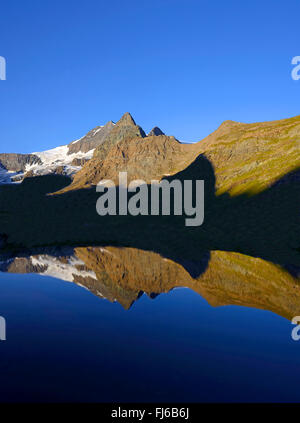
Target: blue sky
x=185 y=66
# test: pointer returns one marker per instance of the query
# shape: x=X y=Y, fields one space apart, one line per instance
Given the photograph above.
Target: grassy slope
x=250 y=157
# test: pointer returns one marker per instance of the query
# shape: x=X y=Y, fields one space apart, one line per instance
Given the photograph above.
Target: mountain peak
x=126 y=119
x=108 y=124
x=155 y=132
x=228 y=124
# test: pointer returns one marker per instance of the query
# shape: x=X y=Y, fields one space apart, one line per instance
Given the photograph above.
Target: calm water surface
x=66 y=344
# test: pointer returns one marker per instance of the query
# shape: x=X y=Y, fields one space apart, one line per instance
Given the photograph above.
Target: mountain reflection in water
x=124 y=274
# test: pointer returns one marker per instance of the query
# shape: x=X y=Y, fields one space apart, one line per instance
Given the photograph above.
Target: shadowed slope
x=266 y=225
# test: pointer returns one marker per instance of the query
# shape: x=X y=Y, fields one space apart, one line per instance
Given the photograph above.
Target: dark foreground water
x=65 y=344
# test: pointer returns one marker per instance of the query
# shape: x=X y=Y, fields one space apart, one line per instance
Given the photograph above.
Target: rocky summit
x=18 y=162
x=155 y=132
x=91 y=140
x=246 y=158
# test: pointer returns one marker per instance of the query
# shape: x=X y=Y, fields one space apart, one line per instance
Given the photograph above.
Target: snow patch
x=97 y=130
x=5 y=177
x=56 y=157
x=59 y=269
x=51 y=160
